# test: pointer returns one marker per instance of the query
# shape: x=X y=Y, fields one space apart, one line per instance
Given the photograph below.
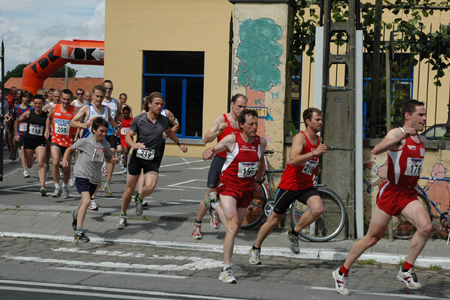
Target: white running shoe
x=254 y=257
x=227 y=276
x=43 y=191
x=139 y=206
x=93 y=205
x=56 y=193
x=122 y=222
x=72 y=182
x=197 y=232
x=124 y=170
x=49 y=174
x=65 y=192
x=341 y=282
x=293 y=242
x=409 y=278
x=215 y=222
x=104 y=169
x=107 y=190
x=26 y=174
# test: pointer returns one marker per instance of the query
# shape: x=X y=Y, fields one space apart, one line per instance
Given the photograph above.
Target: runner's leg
x=312 y=214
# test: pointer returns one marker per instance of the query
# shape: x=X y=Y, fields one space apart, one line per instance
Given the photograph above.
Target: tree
x=18 y=72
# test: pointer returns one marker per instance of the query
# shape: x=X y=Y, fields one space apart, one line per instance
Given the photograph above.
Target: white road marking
x=403 y=296
x=172 y=189
x=120 y=273
x=188 y=181
x=187 y=200
x=195 y=264
x=199 y=168
x=183 y=163
x=113 y=290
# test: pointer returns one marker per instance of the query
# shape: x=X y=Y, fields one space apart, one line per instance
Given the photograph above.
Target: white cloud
x=30 y=28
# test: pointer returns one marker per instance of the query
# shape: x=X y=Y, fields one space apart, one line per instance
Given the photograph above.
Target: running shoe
x=25 y=174
x=74 y=220
x=81 y=237
x=341 y=282
x=65 y=192
x=72 y=182
x=107 y=190
x=212 y=197
x=124 y=170
x=122 y=224
x=20 y=154
x=61 y=173
x=227 y=276
x=254 y=257
x=197 y=232
x=49 y=174
x=56 y=193
x=93 y=205
x=43 y=191
x=215 y=222
x=105 y=169
x=5 y=147
x=293 y=240
x=409 y=278
x=139 y=206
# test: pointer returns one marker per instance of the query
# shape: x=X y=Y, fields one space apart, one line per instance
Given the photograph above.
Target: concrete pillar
x=261 y=48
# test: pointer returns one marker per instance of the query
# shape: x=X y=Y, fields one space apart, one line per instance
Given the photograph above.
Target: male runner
x=79 y=102
x=111 y=136
x=223 y=125
x=55 y=98
x=21 y=130
x=297 y=184
x=88 y=114
x=126 y=124
x=149 y=128
x=87 y=171
x=397 y=196
x=34 y=140
x=244 y=162
x=123 y=100
x=88 y=96
x=59 y=118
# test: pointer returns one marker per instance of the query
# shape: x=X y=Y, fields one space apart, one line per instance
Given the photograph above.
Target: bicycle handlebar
x=437 y=179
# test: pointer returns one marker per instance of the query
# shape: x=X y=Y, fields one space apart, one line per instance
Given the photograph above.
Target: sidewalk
x=168 y=220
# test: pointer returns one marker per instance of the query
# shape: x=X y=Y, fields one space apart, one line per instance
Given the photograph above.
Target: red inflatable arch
x=76 y=52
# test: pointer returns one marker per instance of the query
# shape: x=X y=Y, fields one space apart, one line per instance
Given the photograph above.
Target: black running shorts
x=285 y=198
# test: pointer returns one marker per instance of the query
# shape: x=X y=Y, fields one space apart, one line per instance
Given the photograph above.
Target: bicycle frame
x=431 y=201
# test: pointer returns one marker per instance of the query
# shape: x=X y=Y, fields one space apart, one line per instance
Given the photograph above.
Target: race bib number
x=62 y=129
x=124 y=130
x=146 y=154
x=98 y=155
x=247 y=169
x=36 y=130
x=23 y=127
x=414 y=166
x=309 y=167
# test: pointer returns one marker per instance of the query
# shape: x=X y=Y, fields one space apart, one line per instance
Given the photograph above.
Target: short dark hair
x=107 y=81
x=126 y=108
x=82 y=91
x=245 y=112
x=237 y=96
x=99 y=122
x=41 y=97
x=410 y=107
x=149 y=99
x=123 y=94
x=67 y=92
x=308 y=113
x=99 y=87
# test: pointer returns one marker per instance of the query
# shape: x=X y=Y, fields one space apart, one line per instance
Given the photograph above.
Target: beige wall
x=134 y=26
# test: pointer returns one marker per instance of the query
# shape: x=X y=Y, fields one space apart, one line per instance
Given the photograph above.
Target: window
x=179 y=77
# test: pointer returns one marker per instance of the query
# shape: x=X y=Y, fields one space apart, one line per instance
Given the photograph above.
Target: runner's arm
x=261 y=165
x=171 y=135
x=392 y=141
x=48 y=122
x=65 y=160
x=227 y=143
x=173 y=121
x=216 y=129
x=80 y=115
x=24 y=116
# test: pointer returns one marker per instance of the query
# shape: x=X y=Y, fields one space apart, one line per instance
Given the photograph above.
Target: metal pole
x=2 y=110
x=388 y=113
x=67 y=76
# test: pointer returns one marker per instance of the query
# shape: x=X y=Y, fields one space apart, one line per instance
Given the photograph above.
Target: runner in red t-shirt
x=223 y=125
x=398 y=196
x=244 y=163
x=126 y=124
x=297 y=184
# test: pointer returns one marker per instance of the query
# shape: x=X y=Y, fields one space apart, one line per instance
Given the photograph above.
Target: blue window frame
x=179 y=77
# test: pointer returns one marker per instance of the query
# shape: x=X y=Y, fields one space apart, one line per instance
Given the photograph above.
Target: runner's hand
x=139 y=146
x=65 y=163
x=221 y=128
x=115 y=160
x=321 y=149
x=184 y=148
x=85 y=125
x=208 y=153
x=257 y=187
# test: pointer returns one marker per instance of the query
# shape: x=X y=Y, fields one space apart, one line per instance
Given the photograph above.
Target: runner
x=20 y=109
x=79 y=102
x=88 y=114
x=111 y=137
x=55 y=97
x=297 y=184
x=244 y=162
x=149 y=128
x=398 y=196
x=126 y=124
x=34 y=140
x=87 y=171
x=223 y=125
x=123 y=100
x=62 y=138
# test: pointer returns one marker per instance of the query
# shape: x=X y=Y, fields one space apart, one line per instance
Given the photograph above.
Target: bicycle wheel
x=329 y=224
x=255 y=211
x=402 y=228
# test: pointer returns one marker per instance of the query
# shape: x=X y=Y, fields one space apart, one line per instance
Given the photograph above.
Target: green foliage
x=18 y=72
x=367 y=262
x=436 y=267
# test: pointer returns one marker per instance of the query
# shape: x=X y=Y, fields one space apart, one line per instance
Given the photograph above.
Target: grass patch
x=144 y=218
x=6 y=209
x=367 y=262
x=401 y=263
x=436 y=267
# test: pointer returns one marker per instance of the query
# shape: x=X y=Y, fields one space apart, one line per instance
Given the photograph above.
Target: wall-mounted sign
x=262 y=111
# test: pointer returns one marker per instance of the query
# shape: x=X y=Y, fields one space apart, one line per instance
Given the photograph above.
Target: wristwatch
x=179 y=143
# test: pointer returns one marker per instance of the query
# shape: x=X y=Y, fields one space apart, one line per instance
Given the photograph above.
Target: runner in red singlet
x=297 y=184
x=223 y=125
x=244 y=163
x=126 y=124
x=398 y=196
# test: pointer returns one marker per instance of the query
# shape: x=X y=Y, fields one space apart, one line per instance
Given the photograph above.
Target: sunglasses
x=80 y=94
x=109 y=88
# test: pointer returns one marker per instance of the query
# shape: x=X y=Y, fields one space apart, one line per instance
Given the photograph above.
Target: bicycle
x=405 y=230
x=329 y=224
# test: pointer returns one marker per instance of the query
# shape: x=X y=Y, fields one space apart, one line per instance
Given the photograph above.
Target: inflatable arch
x=76 y=52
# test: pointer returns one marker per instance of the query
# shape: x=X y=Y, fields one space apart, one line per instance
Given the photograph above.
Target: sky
x=29 y=28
